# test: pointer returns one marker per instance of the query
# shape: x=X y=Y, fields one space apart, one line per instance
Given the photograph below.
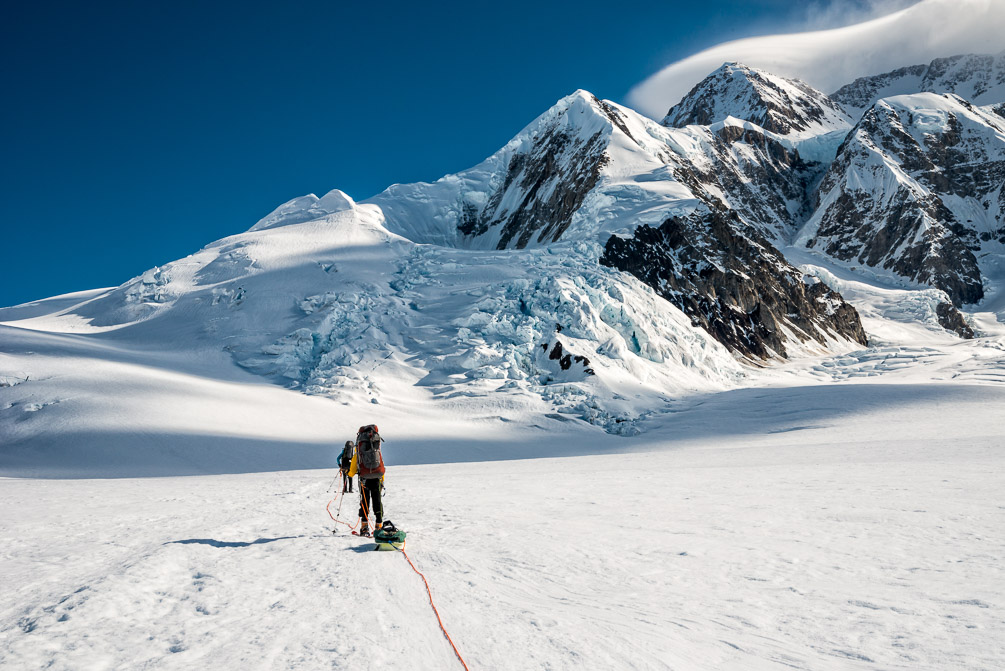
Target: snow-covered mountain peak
x=306 y=208
x=786 y=107
x=917 y=191
x=979 y=78
x=528 y=193
x=929 y=114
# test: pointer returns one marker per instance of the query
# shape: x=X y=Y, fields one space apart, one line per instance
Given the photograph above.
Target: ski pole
x=332 y=484
x=338 y=513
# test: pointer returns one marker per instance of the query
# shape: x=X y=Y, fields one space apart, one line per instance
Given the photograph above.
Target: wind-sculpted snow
x=917 y=190
x=774 y=528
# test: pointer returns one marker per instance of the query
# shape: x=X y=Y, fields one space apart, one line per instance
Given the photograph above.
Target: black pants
x=346 y=482
x=369 y=499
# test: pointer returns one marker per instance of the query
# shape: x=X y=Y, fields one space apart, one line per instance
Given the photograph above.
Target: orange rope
x=409 y=560
x=328 y=508
x=442 y=628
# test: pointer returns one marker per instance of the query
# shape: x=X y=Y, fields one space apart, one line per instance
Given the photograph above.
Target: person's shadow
x=229 y=544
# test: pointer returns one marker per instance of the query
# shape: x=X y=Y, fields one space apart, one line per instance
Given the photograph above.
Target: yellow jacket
x=354 y=468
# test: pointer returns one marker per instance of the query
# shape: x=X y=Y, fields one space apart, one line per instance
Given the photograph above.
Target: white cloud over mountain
x=830 y=58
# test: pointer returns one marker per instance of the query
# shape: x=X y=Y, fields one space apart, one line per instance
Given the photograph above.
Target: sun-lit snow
x=587 y=480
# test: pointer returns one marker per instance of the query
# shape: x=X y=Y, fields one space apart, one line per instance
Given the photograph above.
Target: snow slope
x=343 y=309
x=588 y=480
x=786 y=107
x=824 y=527
x=388 y=303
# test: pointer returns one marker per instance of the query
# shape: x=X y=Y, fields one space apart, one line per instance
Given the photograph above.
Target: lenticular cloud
x=827 y=59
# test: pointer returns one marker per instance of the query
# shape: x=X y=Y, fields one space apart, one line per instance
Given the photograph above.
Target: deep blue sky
x=134 y=133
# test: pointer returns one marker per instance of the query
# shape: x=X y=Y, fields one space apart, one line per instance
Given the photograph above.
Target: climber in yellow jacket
x=368 y=462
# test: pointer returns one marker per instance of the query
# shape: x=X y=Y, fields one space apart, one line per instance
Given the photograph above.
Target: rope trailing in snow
x=337 y=516
x=442 y=628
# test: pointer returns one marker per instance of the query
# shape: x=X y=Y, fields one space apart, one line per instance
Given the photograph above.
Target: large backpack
x=368 y=448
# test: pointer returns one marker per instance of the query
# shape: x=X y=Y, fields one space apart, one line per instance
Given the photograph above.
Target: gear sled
x=389 y=537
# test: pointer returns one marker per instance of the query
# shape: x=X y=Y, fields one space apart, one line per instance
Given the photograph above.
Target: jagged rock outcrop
x=952 y=320
x=746 y=169
x=543 y=188
x=770 y=141
x=979 y=78
x=733 y=284
x=916 y=189
x=589 y=169
x=776 y=104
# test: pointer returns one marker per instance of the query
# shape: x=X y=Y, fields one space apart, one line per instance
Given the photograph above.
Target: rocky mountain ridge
x=917 y=189
x=778 y=105
x=570 y=174
x=915 y=194
x=600 y=250
x=979 y=78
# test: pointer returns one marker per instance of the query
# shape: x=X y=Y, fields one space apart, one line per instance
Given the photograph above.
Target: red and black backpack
x=368 y=442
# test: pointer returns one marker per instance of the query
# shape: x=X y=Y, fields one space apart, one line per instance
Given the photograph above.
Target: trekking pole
x=332 y=484
x=338 y=513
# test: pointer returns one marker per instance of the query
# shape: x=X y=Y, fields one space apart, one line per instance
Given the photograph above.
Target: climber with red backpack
x=369 y=464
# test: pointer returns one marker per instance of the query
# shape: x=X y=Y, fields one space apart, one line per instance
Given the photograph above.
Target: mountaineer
x=369 y=464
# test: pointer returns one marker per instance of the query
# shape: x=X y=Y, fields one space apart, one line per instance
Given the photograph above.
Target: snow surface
x=824 y=527
x=838 y=511
x=167 y=445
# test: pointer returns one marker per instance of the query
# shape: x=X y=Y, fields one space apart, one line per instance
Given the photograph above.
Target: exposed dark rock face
x=733 y=284
x=931 y=253
x=951 y=320
x=774 y=103
x=904 y=187
x=862 y=93
x=765 y=182
x=746 y=167
x=567 y=359
x=543 y=187
x=975 y=77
